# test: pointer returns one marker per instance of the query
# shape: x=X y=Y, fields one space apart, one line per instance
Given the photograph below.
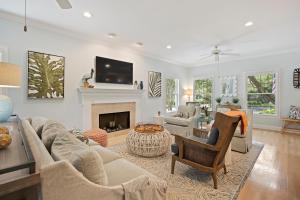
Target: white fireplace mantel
x=89 y=96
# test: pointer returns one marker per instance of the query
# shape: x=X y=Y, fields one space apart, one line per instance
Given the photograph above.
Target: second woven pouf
x=98 y=135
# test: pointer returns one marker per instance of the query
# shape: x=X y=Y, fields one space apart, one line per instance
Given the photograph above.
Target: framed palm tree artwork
x=45 y=76
x=154 y=84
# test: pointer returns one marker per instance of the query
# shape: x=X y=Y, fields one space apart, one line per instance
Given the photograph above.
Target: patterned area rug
x=188 y=183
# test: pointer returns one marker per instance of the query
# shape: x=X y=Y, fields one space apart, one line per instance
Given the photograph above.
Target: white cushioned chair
x=183 y=122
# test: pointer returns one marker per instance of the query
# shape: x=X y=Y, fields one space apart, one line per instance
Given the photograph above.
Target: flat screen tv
x=113 y=71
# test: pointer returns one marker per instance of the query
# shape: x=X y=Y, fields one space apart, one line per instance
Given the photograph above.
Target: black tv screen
x=113 y=71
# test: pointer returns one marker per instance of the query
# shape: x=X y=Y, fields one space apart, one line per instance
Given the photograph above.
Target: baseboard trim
x=267 y=127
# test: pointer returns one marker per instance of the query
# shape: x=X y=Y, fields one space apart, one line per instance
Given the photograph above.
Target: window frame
x=277 y=93
x=177 y=94
x=213 y=88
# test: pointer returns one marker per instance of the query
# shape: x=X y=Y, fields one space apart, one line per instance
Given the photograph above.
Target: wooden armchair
x=205 y=157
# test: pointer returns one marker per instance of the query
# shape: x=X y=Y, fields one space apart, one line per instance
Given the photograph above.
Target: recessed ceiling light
x=87 y=14
x=169 y=47
x=112 y=35
x=250 y=23
x=139 y=44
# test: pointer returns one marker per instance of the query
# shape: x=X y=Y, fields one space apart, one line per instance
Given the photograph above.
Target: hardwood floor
x=276 y=173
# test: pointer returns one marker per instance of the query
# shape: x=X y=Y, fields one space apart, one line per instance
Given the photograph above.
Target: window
x=203 y=91
x=261 y=93
x=172 y=94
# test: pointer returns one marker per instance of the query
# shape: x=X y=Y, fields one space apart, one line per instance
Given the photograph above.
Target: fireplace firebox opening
x=112 y=122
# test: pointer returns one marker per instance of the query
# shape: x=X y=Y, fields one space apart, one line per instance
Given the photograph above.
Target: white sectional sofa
x=60 y=180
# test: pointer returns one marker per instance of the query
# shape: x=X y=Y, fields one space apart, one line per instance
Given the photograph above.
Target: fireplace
x=116 y=121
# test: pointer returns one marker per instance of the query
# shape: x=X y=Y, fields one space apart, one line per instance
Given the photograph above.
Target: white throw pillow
x=90 y=164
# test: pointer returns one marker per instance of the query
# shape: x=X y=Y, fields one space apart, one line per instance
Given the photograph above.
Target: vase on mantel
x=141 y=85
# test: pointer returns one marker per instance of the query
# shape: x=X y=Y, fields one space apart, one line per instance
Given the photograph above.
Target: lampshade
x=188 y=92
x=10 y=75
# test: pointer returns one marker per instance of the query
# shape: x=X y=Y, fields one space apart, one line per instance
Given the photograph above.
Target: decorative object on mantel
x=45 y=76
x=296 y=78
x=154 y=84
x=5 y=138
x=86 y=78
x=135 y=85
x=218 y=100
x=140 y=86
x=229 y=86
x=10 y=77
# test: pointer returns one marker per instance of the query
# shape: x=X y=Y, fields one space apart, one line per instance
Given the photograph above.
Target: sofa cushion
x=106 y=154
x=87 y=161
x=177 y=121
x=213 y=136
x=64 y=145
x=121 y=170
x=49 y=136
x=52 y=124
x=37 y=124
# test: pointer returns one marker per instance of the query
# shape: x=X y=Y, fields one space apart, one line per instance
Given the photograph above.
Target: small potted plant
x=218 y=100
x=235 y=100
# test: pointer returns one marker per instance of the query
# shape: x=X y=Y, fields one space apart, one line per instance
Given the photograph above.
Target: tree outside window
x=261 y=93
x=203 y=92
x=172 y=94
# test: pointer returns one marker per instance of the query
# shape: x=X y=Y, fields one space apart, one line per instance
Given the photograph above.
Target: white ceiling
x=192 y=27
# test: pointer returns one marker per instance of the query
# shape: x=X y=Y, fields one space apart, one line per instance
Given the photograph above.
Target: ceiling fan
x=64 y=4
x=216 y=52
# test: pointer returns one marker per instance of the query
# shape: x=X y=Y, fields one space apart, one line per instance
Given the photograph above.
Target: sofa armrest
x=61 y=181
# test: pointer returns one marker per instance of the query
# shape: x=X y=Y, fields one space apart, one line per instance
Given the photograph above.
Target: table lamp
x=189 y=93
x=10 y=77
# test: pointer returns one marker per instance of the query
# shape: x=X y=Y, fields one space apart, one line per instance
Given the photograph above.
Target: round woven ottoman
x=148 y=140
x=98 y=135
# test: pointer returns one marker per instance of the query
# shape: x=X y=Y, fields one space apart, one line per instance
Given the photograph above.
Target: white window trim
x=212 y=78
x=277 y=94
x=178 y=95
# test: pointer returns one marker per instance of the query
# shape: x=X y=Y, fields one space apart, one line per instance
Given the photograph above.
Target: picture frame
x=154 y=84
x=296 y=78
x=46 y=76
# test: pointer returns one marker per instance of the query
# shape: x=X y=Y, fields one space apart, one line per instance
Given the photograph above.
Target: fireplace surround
x=115 y=118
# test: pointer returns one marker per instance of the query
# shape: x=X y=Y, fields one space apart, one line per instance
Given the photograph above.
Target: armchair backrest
x=187 y=110
x=226 y=126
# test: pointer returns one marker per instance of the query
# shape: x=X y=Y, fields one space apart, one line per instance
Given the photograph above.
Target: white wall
x=80 y=58
x=282 y=63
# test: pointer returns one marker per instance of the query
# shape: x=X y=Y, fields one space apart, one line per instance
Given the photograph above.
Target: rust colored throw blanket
x=244 y=120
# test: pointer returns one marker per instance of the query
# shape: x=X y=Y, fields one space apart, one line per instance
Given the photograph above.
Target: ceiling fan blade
x=230 y=54
x=205 y=57
x=64 y=4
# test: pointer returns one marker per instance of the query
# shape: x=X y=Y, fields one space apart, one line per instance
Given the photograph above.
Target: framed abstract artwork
x=296 y=78
x=154 y=84
x=46 y=74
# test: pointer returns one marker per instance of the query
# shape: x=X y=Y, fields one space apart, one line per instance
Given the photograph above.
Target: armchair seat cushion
x=120 y=171
x=177 y=121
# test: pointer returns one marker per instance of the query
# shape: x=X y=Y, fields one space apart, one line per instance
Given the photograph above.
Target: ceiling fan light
x=250 y=23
